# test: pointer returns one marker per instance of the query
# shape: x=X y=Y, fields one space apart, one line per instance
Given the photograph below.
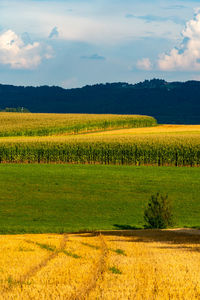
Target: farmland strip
x=30 y=124
x=99 y=270
x=156 y=150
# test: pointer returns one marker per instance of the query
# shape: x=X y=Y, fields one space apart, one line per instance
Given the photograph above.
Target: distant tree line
x=175 y=102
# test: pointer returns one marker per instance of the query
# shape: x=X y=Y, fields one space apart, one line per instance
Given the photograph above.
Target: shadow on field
x=183 y=239
x=126 y=227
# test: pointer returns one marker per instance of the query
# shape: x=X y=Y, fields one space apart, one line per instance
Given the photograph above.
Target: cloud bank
x=187 y=56
x=20 y=55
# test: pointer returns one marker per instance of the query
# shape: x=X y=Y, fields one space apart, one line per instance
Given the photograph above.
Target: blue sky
x=72 y=43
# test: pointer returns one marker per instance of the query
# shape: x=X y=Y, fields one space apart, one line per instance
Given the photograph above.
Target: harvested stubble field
x=114 y=265
x=167 y=145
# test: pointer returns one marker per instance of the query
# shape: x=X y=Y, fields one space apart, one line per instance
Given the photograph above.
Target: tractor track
x=83 y=291
x=30 y=273
x=99 y=269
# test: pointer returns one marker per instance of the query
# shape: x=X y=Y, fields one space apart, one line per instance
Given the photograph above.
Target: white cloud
x=18 y=55
x=144 y=64
x=187 y=56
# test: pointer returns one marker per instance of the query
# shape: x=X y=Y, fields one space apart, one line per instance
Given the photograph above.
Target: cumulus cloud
x=187 y=56
x=21 y=55
x=144 y=64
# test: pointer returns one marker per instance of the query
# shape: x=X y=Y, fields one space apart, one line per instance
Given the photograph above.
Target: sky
x=72 y=43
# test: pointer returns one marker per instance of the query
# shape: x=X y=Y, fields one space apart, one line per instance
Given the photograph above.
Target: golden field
x=145 y=264
x=160 y=129
x=162 y=132
x=34 y=124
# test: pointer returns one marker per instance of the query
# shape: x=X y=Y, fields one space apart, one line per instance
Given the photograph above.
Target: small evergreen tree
x=158 y=213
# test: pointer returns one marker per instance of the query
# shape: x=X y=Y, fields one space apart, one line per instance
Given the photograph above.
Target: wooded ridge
x=175 y=102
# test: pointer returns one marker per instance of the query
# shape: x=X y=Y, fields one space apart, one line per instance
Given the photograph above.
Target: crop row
x=149 y=150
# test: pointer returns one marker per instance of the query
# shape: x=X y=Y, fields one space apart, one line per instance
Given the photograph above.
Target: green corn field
x=54 y=138
x=28 y=124
x=158 y=150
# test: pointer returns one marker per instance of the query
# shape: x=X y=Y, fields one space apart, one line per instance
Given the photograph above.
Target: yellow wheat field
x=113 y=265
x=160 y=129
x=160 y=132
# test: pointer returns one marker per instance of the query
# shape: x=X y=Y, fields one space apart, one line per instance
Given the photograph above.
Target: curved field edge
x=70 y=198
x=28 y=124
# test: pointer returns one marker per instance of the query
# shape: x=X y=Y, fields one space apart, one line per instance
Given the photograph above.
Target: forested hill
x=174 y=102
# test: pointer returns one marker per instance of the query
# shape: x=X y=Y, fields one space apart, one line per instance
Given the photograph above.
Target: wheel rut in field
x=99 y=269
x=23 y=278
x=44 y=262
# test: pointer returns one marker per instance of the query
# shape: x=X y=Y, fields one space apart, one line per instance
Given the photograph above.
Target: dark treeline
x=174 y=102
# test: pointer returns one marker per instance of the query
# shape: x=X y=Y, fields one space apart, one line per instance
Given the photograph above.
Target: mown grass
x=65 y=198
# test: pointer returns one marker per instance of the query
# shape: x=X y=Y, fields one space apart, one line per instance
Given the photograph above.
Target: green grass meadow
x=65 y=198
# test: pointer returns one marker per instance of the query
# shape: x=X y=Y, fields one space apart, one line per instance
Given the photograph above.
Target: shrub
x=158 y=213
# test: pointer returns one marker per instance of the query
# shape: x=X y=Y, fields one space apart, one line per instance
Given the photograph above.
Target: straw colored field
x=161 y=129
x=27 y=124
x=114 y=265
x=114 y=135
